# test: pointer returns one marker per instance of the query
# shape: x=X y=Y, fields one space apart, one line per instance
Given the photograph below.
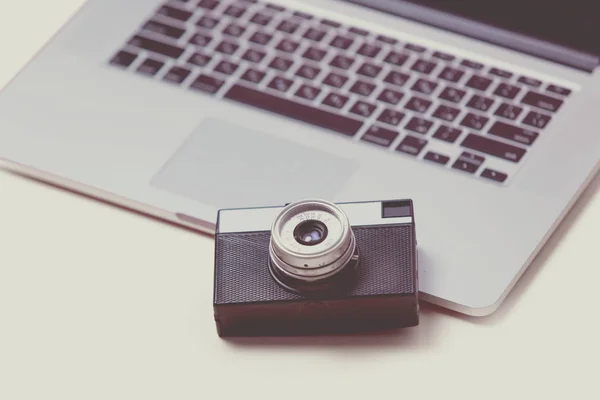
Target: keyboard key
x=558 y=90
x=174 y=13
x=207 y=22
x=418 y=125
x=471 y=64
x=474 y=121
x=494 y=175
x=468 y=162
x=411 y=145
x=235 y=11
x=424 y=86
x=493 y=148
x=226 y=47
x=436 y=158
x=208 y=4
x=308 y=92
x=479 y=82
x=335 y=80
x=381 y=136
x=396 y=78
x=275 y=7
x=452 y=94
x=281 y=64
x=281 y=84
x=390 y=96
x=150 y=67
x=368 y=69
x=200 y=39
x=335 y=100
x=514 y=133
x=395 y=58
x=386 y=39
x=316 y=116
x=288 y=46
x=157 y=47
x=508 y=111
x=308 y=72
x=234 y=30
x=443 y=56
x=507 y=91
x=447 y=134
x=341 y=42
x=358 y=31
x=260 y=37
x=288 y=26
x=303 y=15
x=451 y=74
x=414 y=47
x=316 y=35
x=163 y=29
x=362 y=88
x=369 y=50
x=253 y=75
x=418 y=104
x=207 y=83
x=226 y=67
x=446 y=113
x=314 y=53
x=542 y=101
x=530 y=81
x=537 y=119
x=363 y=109
x=423 y=66
x=199 y=59
x=342 y=62
x=261 y=19
x=391 y=117
x=123 y=58
x=254 y=56
x=501 y=73
x=330 y=23
x=480 y=103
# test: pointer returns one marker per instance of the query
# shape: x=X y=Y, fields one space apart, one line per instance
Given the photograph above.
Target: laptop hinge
x=531 y=46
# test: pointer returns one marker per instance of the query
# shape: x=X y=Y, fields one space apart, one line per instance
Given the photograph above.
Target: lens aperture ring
x=297 y=259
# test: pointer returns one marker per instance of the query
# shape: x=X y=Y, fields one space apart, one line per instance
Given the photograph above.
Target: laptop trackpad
x=227 y=165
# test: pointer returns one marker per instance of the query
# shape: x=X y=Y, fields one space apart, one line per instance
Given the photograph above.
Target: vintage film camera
x=316 y=267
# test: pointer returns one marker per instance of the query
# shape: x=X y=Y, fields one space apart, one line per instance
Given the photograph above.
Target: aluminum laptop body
x=179 y=108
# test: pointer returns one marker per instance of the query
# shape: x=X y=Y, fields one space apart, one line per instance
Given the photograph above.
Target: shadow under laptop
x=415 y=338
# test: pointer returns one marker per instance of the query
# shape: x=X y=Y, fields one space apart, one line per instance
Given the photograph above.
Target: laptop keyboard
x=418 y=102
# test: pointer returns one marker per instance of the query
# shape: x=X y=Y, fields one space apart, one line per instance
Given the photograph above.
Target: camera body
x=315 y=267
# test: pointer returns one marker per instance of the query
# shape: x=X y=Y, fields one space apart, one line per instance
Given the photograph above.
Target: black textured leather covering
x=386 y=265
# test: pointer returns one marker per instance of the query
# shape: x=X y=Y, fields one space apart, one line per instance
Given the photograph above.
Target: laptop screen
x=570 y=23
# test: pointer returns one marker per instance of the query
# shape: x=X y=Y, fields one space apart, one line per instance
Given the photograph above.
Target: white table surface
x=100 y=303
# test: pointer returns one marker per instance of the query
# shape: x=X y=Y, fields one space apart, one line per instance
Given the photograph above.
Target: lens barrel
x=312 y=246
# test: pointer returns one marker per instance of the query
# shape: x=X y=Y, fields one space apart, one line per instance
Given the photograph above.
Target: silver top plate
x=261 y=219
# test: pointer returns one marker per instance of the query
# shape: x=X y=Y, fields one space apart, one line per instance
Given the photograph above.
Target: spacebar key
x=290 y=109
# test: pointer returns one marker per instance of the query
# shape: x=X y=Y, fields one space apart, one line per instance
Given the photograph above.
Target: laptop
x=484 y=113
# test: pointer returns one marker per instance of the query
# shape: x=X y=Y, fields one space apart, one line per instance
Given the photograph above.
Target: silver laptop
x=484 y=113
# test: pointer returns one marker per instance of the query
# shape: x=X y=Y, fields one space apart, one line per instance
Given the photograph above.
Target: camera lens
x=310 y=233
x=312 y=244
